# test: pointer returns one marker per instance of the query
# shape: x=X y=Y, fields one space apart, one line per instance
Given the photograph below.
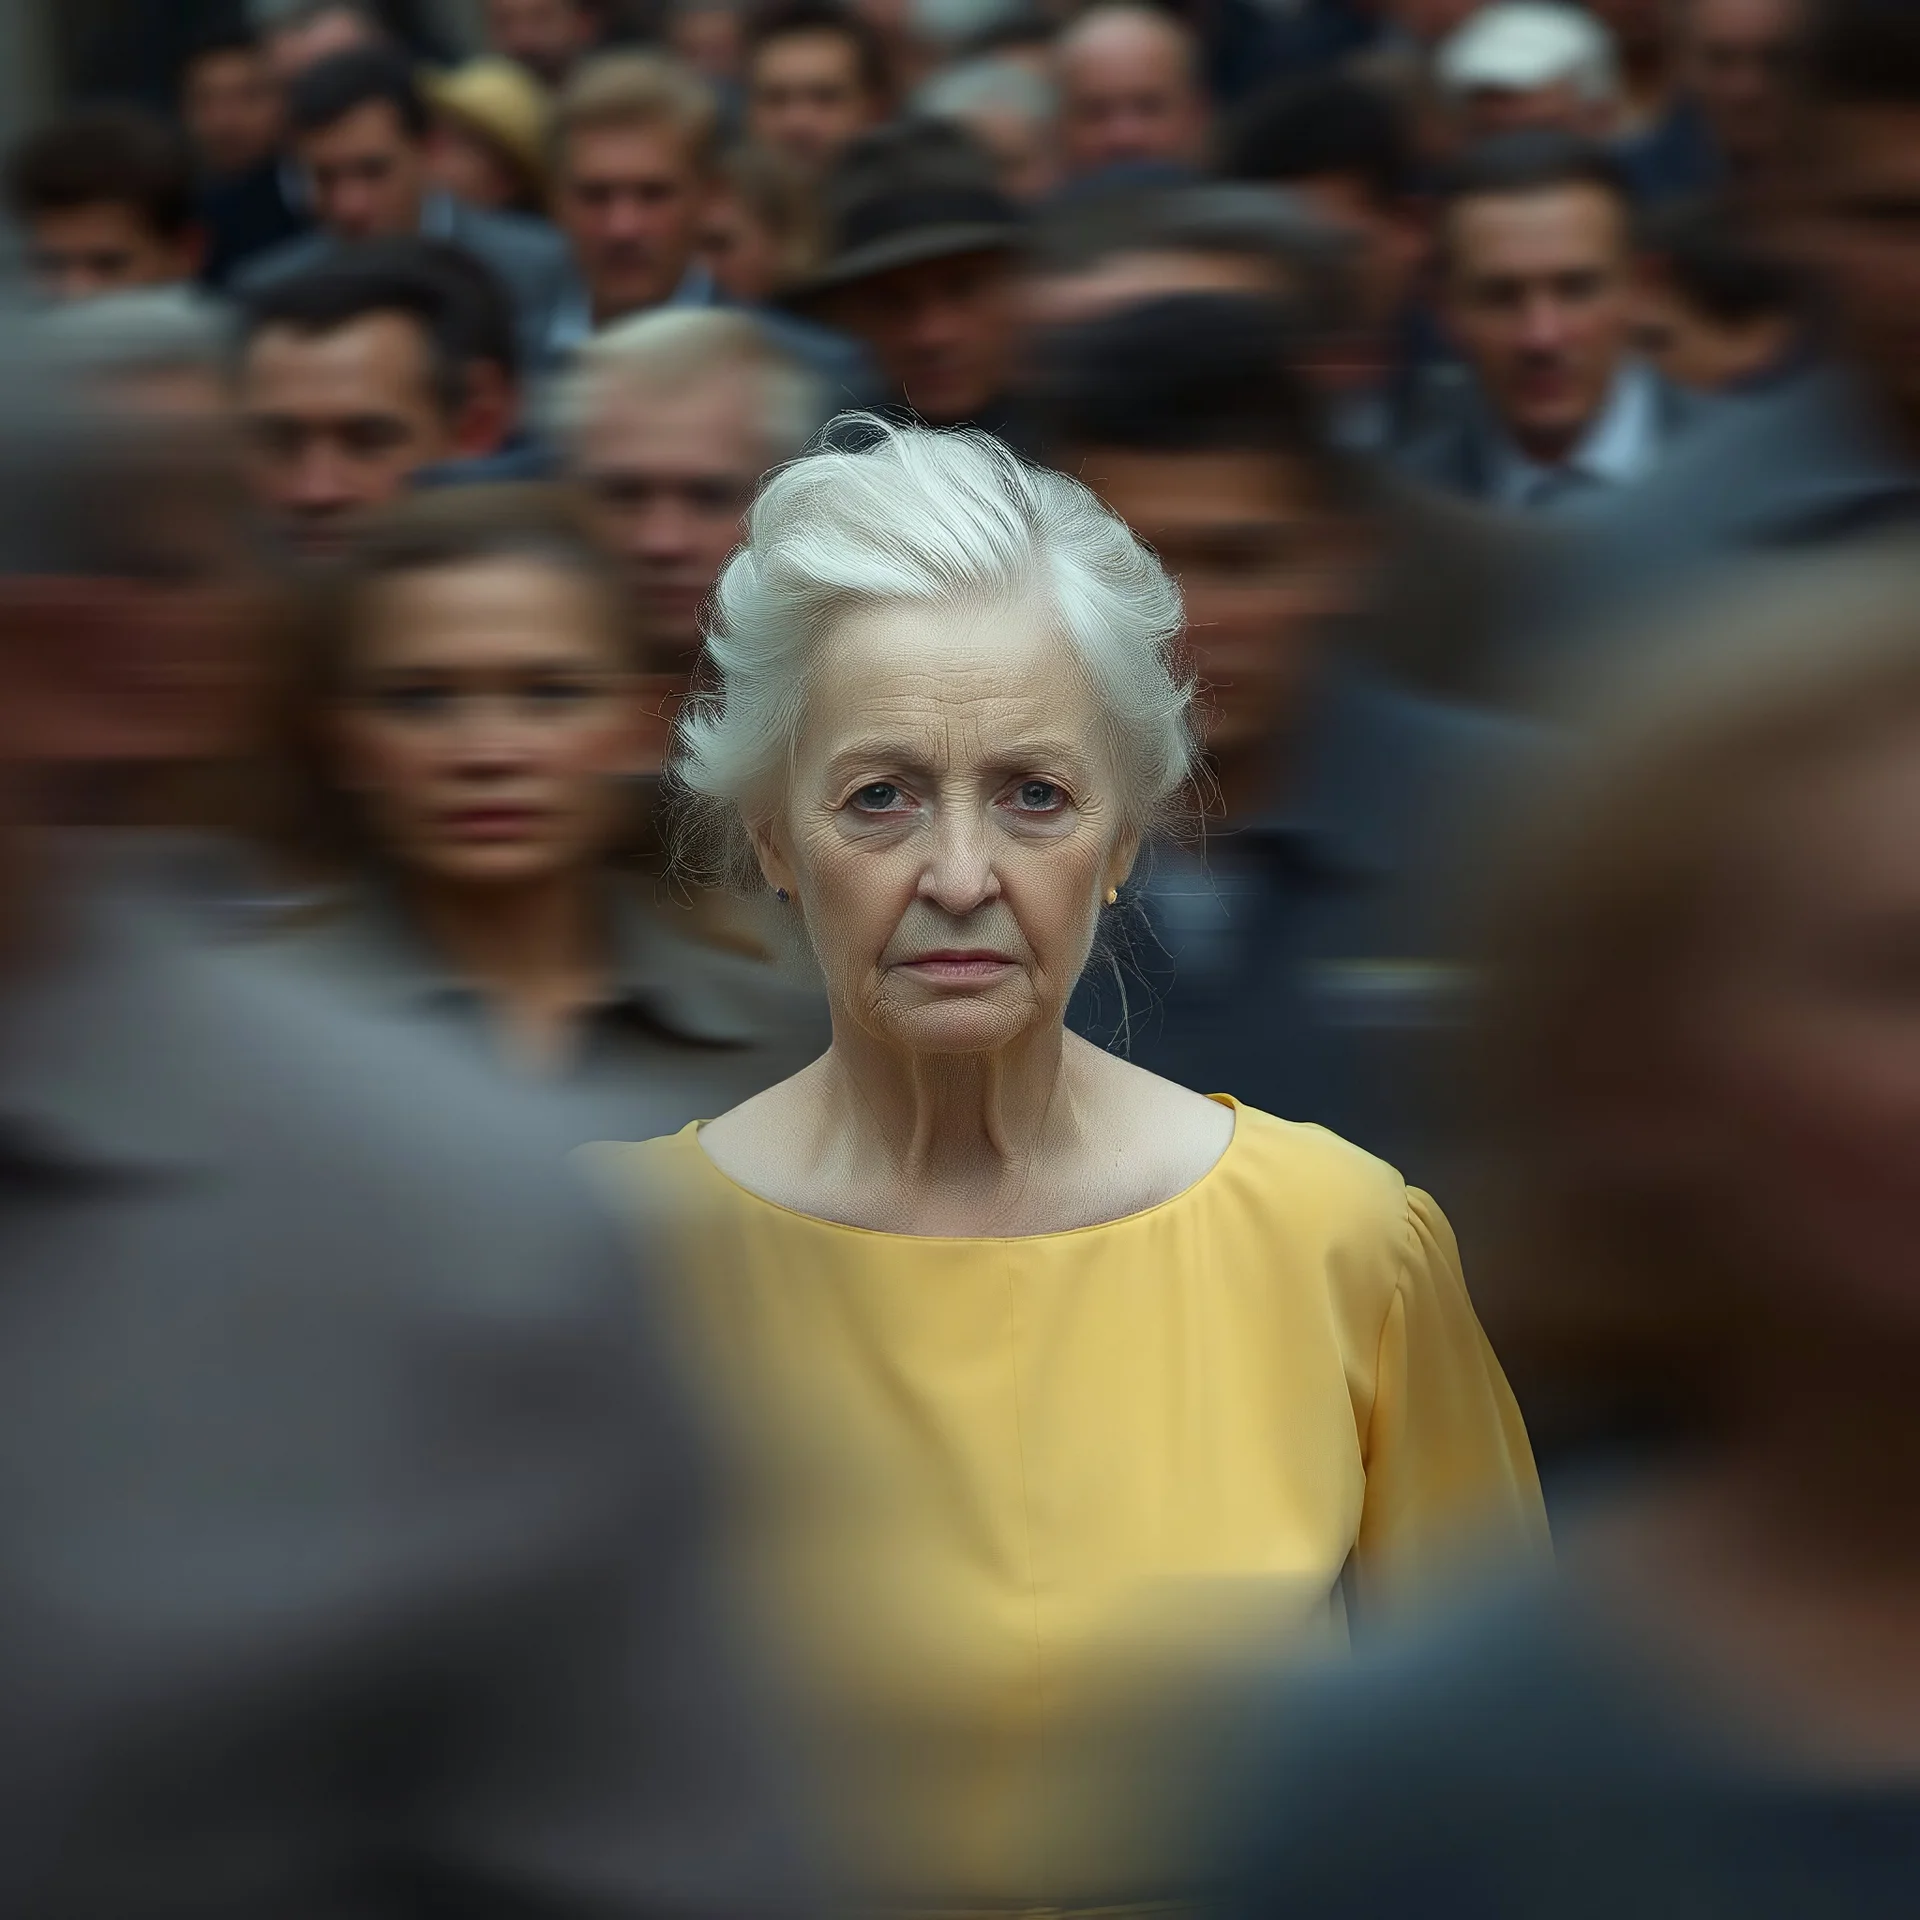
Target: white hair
x=912 y=516
x=987 y=85
x=675 y=347
x=1515 y=46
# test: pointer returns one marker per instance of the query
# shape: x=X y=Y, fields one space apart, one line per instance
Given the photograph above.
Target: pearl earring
x=1113 y=895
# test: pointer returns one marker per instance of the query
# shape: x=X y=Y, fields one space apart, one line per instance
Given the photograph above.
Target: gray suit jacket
x=531 y=258
x=352 y=1535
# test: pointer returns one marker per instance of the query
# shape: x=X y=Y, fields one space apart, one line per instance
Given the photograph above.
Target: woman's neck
x=958 y=1133
x=537 y=952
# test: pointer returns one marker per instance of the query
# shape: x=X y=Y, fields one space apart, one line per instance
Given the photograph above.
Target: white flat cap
x=1515 y=46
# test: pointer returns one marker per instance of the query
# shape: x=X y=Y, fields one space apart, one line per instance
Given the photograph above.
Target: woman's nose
x=959 y=875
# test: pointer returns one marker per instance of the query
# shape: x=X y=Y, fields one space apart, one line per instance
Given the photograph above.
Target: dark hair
x=344 y=82
x=419 y=533
x=786 y=19
x=113 y=154
x=1325 y=126
x=1864 y=52
x=234 y=37
x=376 y=277
x=481 y=322
x=1190 y=373
x=1717 y=266
x=1535 y=161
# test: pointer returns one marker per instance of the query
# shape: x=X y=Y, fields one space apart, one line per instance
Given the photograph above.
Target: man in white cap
x=1524 y=64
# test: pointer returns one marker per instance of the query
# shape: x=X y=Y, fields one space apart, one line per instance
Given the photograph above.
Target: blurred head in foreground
x=1707 y=1029
x=667 y=422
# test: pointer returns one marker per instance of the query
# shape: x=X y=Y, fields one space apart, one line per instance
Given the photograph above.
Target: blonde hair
x=1603 y=1278
x=637 y=90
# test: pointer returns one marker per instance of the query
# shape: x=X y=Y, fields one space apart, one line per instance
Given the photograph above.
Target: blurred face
x=231 y=105
x=668 y=476
x=1262 y=569
x=709 y=40
x=950 y=828
x=545 y=36
x=461 y=163
x=944 y=331
x=104 y=247
x=742 y=253
x=1859 y=230
x=1736 y=60
x=806 y=99
x=1127 y=92
x=1539 y=298
x=1807 y=1051
x=1022 y=149
x=338 y=422
x=488 y=722
x=368 y=174
x=632 y=201
x=1391 y=248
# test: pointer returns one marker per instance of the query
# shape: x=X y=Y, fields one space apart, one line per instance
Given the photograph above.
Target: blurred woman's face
x=952 y=826
x=487 y=723
x=1809 y=1045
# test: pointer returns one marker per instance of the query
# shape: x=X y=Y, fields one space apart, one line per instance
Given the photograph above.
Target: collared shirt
x=1308 y=961
x=573 y=322
x=1621 y=445
x=681 y=1032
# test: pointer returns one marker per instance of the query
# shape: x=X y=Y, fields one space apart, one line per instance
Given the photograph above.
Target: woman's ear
x=775 y=867
x=1120 y=865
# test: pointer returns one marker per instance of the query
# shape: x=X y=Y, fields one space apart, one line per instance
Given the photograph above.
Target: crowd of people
x=801 y=801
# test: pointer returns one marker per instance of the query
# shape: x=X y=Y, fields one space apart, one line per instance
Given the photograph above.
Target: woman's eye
x=879 y=796
x=1038 y=796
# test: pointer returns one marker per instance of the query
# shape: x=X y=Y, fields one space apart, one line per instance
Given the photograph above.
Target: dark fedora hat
x=914 y=191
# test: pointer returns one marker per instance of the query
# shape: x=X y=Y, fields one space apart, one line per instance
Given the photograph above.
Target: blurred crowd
x=1524 y=398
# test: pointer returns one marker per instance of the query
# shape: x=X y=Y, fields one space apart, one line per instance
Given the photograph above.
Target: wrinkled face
x=545 y=36
x=368 y=174
x=338 y=422
x=668 y=476
x=806 y=98
x=1262 y=570
x=1539 y=298
x=1129 y=94
x=487 y=723
x=1859 y=230
x=951 y=826
x=103 y=247
x=945 y=332
x=631 y=200
x=231 y=105
x=1806 y=1049
x=1736 y=59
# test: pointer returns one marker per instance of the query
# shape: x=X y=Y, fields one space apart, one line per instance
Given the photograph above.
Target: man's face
x=337 y=423
x=368 y=173
x=632 y=201
x=231 y=105
x=545 y=36
x=668 y=476
x=1539 y=298
x=806 y=99
x=945 y=332
x=1858 y=229
x=1128 y=93
x=1736 y=60
x=1262 y=569
x=104 y=247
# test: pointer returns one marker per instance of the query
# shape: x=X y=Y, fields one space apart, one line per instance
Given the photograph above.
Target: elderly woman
x=1032 y=1360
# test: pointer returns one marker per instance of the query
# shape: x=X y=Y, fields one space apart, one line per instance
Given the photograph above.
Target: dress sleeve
x=1450 y=1479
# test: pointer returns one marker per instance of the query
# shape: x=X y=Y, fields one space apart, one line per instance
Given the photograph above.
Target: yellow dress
x=985 y=1481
